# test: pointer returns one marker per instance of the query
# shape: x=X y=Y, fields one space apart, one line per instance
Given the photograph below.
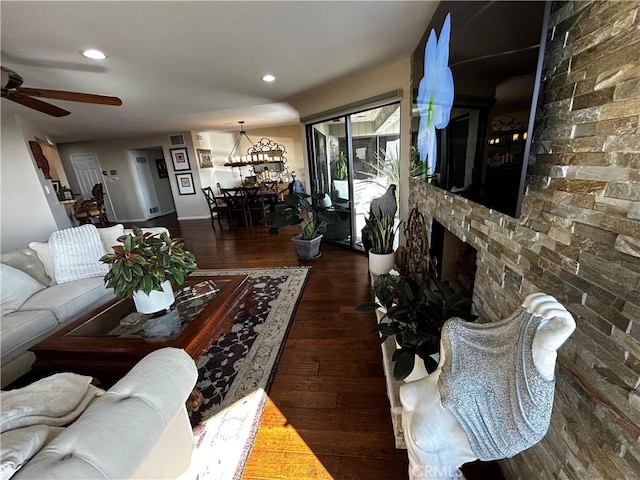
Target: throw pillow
x=76 y=253
x=20 y=445
x=109 y=236
x=15 y=288
x=44 y=254
x=26 y=260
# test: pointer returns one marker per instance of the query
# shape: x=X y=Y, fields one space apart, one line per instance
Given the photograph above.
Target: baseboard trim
x=195 y=217
x=129 y=220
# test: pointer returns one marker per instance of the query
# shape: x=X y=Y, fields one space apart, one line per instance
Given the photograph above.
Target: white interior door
x=88 y=172
x=145 y=188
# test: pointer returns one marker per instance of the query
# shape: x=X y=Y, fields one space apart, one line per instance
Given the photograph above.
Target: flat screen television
x=495 y=55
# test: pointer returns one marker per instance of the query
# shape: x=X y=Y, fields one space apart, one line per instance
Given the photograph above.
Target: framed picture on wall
x=185 y=184
x=161 y=165
x=204 y=158
x=180 y=159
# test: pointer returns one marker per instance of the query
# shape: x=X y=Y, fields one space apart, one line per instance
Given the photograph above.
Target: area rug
x=235 y=375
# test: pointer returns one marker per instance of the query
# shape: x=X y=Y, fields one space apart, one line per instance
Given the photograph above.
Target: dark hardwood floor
x=328 y=413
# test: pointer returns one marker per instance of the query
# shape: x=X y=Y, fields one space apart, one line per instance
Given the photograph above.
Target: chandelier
x=266 y=150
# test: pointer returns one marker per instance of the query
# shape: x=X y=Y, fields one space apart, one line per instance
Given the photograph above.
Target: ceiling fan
x=12 y=90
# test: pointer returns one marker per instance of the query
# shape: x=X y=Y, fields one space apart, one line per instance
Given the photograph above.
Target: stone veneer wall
x=578 y=239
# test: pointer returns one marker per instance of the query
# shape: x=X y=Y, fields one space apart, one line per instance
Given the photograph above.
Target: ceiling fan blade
x=70 y=96
x=37 y=104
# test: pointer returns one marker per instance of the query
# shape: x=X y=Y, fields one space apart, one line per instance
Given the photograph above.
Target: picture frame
x=57 y=185
x=180 y=159
x=204 y=158
x=161 y=165
x=185 y=184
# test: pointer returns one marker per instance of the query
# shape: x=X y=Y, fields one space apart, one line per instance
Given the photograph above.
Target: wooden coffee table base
x=109 y=358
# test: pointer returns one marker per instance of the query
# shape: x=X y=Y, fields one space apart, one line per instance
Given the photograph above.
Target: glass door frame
x=354 y=242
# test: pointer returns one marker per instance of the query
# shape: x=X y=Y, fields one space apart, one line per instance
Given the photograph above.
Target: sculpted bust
x=492 y=394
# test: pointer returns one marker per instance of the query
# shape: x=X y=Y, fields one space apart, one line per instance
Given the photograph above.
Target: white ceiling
x=196 y=65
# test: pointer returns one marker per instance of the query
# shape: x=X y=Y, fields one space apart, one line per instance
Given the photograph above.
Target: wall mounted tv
x=495 y=56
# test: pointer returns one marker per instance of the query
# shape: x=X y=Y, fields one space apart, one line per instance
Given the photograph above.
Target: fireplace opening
x=455 y=259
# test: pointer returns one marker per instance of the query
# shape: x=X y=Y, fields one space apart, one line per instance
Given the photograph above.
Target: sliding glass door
x=353 y=159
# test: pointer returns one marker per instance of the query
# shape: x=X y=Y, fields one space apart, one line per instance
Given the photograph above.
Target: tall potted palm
x=144 y=266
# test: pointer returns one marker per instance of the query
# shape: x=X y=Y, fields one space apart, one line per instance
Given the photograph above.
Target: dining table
x=236 y=198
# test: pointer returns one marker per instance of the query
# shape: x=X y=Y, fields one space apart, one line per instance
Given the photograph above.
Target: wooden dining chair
x=217 y=205
x=93 y=209
x=236 y=205
x=256 y=203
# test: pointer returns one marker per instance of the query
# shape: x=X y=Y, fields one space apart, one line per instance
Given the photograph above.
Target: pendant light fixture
x=237 y=155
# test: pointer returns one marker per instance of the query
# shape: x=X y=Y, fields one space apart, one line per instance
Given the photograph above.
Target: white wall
x=396 y=76
x=208 y=176
x=163 y=186
x=112 y=155
x=27 y=212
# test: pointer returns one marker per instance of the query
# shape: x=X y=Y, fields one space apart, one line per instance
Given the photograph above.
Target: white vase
x=379 y=264
x=419 y=371
x=156 y=300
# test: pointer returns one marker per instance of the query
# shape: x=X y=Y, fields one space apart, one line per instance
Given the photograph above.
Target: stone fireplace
x=455 y=259
x=578 y=239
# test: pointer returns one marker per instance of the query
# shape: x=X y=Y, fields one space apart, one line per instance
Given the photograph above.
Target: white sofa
x=138 y=429
x=39 y=306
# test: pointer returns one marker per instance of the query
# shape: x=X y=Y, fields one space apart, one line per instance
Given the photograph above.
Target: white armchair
x=138 y=429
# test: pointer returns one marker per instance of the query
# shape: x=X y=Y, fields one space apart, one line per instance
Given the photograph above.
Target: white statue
x=492 y=394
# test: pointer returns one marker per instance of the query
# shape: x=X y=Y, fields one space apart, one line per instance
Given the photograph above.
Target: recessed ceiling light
x=268 y=78
x=94 y=54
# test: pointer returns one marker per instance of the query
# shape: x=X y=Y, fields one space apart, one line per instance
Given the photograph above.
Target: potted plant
x=339 y=172
x=144 y=266
x=414 y=314
x=301 y=213
x=380 y=230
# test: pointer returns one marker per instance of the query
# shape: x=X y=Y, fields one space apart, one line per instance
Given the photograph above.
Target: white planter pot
x=342 y=186
x=307 y=249
x=379 y=264
x=156 y=300
x=419 y=371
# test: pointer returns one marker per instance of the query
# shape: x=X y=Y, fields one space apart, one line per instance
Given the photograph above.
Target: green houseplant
x=414 y=315
x=300 y=211
x=380 y=230
x=147 y=263
x=339 y=167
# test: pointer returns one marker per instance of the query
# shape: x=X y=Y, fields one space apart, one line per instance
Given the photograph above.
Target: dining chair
x=270 y=186
x=257 y=204
x=236 y=205
x=217 y=205
x=93 y=208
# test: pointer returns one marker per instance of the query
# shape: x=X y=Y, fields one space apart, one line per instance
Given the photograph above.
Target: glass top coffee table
x=111 y=339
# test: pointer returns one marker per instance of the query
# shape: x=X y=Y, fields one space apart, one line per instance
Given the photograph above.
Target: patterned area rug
x=236 y=373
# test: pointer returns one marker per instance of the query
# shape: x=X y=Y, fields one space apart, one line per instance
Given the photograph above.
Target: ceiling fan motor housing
x=10 y=80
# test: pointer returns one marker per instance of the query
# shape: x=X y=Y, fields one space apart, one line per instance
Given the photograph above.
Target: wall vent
x=153 y=210
x=141 y=159
x=177 y=139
